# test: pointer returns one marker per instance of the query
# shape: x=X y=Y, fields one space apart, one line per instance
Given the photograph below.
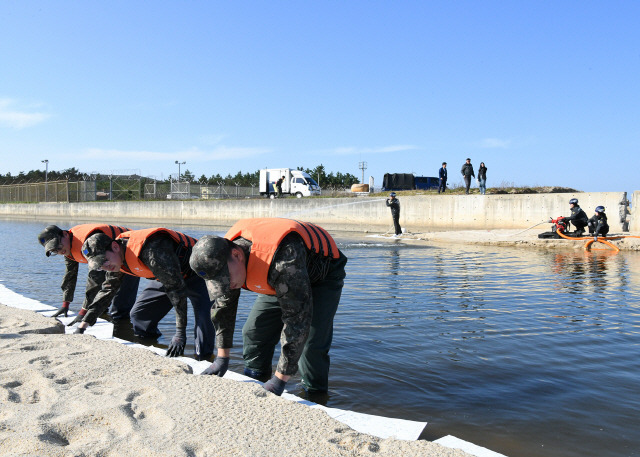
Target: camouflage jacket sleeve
x=104 y=297
x=289 y=277
x=69 y=279
x=159 y=254
x=225 y=308
x=223 y=316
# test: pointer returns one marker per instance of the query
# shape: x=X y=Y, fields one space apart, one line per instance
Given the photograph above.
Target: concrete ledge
x=418 y=213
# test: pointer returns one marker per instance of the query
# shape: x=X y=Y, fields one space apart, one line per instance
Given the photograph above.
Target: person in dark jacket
x=598 y=225
x=482 y=178
x=394 y=204
x=279 y=187
x=443 y=177
x=578 y=217
x=467 y=174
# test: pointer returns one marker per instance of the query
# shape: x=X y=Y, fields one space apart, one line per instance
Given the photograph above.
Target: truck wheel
x=272 y=196
x=298 y=194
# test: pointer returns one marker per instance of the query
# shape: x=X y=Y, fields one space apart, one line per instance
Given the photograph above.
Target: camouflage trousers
x=261 y=332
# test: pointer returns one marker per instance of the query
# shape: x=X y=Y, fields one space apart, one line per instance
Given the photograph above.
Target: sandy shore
x=72 y=395
x=518 y=238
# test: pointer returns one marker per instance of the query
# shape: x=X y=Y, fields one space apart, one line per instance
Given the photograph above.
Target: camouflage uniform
x=170 y=289
x=308 y=288
x=122 y=302
x=70 y=279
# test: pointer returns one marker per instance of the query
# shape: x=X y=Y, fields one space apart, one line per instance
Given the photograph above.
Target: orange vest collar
x=265 y=235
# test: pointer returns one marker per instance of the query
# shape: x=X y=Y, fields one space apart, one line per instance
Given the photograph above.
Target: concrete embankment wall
x=418 y=213
x=634 y=217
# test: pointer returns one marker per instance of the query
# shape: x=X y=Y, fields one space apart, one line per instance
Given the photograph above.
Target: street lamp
x=46 y=178
x=179 y=163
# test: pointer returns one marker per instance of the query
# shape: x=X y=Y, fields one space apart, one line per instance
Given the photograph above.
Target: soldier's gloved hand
x=218 y=367
x=79 y=331
x=178 y=342
x=275 y=385
x=78 y=318
x=64 y=309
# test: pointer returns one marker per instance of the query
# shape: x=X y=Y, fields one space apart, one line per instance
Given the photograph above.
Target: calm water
x=526 y=352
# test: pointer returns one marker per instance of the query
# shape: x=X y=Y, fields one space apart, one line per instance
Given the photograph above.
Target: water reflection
x=394 y=261
x=522 y=351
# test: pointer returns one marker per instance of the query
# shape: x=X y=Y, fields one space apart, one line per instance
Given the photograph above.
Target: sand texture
x=74 y=395
x=519 y=238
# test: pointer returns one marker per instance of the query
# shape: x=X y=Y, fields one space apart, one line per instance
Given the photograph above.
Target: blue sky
x=544 y=92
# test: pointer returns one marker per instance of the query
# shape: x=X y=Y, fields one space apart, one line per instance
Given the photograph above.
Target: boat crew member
x=578 y=217
x=598 y=225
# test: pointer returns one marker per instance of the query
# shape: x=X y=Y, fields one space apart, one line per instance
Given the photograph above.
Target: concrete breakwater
x=418 y=213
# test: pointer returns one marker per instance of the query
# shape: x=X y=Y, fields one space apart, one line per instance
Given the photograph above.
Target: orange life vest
x=80 y=233
x=136 y=241
x=265 y=235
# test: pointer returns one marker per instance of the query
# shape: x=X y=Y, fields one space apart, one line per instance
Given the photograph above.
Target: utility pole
x=46 y=178
x=363 y=167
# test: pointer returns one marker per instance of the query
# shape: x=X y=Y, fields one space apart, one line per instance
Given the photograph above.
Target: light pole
x=46 y=178
x=179 y=163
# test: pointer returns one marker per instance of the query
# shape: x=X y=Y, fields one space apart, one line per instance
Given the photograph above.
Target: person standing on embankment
x=394 y=204
x=467 y=174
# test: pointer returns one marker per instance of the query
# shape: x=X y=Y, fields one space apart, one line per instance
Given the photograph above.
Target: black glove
x=218 y=367
x=275 y=385
x=78 y=318
x=64 y=309
x=79 y=331
x=178 y=342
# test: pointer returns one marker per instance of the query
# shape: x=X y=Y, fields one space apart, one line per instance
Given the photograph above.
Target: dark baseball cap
x=208 y=259
x=50 y=238
x=94 y=249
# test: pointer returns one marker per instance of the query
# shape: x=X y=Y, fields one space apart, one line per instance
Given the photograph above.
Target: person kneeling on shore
x=578 y=217
x=298 y=272
x=161 y=255
x=598 y=225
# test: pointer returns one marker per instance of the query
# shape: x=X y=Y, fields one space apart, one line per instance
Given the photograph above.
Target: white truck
x=295 y=182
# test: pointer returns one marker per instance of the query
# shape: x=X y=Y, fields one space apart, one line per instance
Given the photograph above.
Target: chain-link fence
x=191 y=191
x=53 y=191
x=118 y=187
x=122 y=187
